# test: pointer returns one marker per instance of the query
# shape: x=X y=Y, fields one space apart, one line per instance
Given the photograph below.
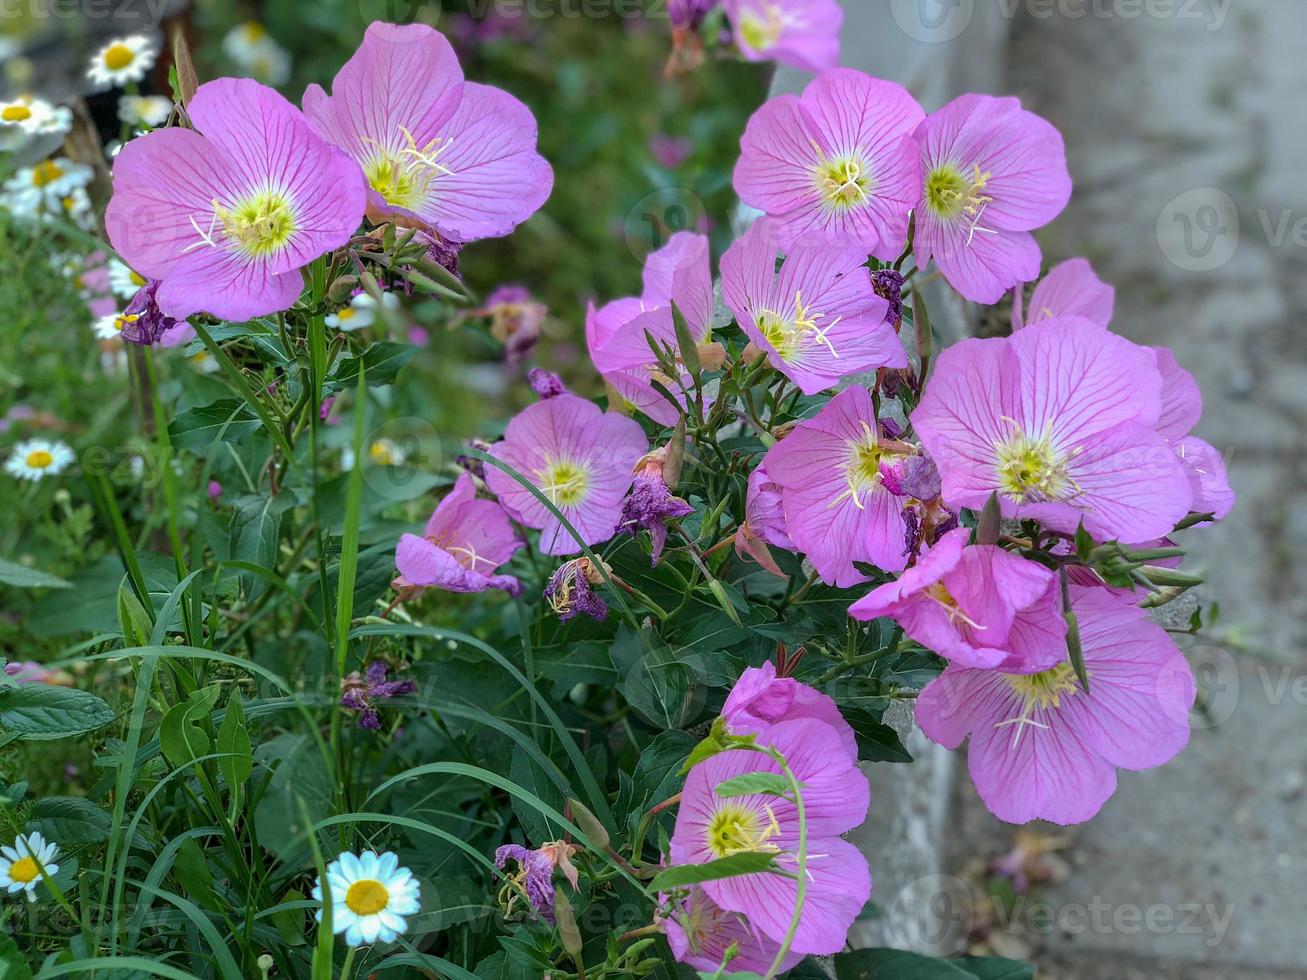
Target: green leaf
x=234 y=742
x=997 y=968
x=255 y=530
x=877 y=742
x=192 y=871
x=13 y=964
x=381 y=363
x=744 y=863
x=227 y=419
x=180 y=736
x=22 y=577
x=895 y=964
x=70 y=820
x=42 y=711
x=133 y=620
x=689 y=346
x=1084 y=542
x=991 y=520
x=761 y=783
x=289 y=923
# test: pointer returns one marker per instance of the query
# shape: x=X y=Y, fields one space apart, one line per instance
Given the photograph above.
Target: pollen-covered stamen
x=405 y=175
x=1031 y=469
x=953 y=194
x=1040 y=692
x=844 y=181
x=938 y=592
x=805 y=322
x=564 y=482
x=862 y=467
x=735 y=829
x=788 y=334
x=258 y=225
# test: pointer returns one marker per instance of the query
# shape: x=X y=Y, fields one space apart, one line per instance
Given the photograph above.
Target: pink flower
x=678 y=273
x=466 y=539
x=760 y=699
x=1070 y=287
x=764 y=522
x=1182 y=407
x=835 y=796
x=801 y=33
x=836 y=164
x=579 y=457
x=978 y=606
x=455 y=156
x=1060 y=420
x=837 y=509
x=701 y=933
x=993 y=173
x=226 y=214
x=1041 y=746
x=819 y=319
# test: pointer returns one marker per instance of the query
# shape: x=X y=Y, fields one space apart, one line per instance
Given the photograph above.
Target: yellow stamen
x=39 y=459
x=564 y=482
x=16 y=113
x=46 y=172
x=25 y=869
x=118 y=57
x=734 y=829
x=366 y=897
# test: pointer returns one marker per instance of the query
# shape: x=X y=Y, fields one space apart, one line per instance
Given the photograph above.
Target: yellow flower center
x=348 y=313
x=787 y=335
x=253 y=30
x=1047 y=687
x=1033 y=469
x=735 y=829
x=862 y=467
x=366 y=897
x=39 y=459
x=24 y=870
x=760 y=31
x=404 y=176
x=46 y=172
x=118 y=56
x=16 y=113
x=382 y=453
x=261 y=224
x=951 y=193
x=844 y=182
x=565 y=483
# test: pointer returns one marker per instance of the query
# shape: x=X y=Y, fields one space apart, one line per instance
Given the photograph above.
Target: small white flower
x=124 y=60
x=250 y=47
x=27 y=116
x=382 y=452
x=123 y=281
x=361 y=312
x=45 y=186
x=144 y=110
x=21 y=865
x=35 y=459
x=204 y=362
x=370 y=895
x=110 y=326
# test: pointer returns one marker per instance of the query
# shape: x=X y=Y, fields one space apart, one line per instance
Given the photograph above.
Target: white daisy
x=204 y=362
x=44 y=187
x=21 y=865
x=123 y=281
x=144 y=110
x=382 y=452
x=77 y=209
x=26 y=116
x=110 y=326
x=124 y=60
x=370 y=895
x=361 y=312
x=250 y=47
x=34 y=459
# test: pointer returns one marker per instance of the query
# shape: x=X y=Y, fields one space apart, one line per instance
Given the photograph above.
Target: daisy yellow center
x=382 y=453
x=565 y=483
x=253 y=31
x=951 y=192
x=16 y=113
x=24 y=869
x=46 y=172
x=844 y=181
x=118 y=56
x=136 y=279
x=260 y=224
x=1033 y=470
x=734 y=829
x=348 y=313
x=404 y=175
x=761 y=30
x=1047 y=688
x=39 y=459
x=366 y=897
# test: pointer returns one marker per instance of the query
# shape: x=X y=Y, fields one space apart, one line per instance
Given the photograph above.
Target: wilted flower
x=21 y=865
x=31 y=672
x=123 y=60
x=994 y=172
x=546 y=384
x=686 y=14
x=516 y=320
x=535 y=875
x=370 y=896
x=226 y=214
x=359 y=693
x=703 y=934
x=571 y=591
x=764 y=522
x=651 y=504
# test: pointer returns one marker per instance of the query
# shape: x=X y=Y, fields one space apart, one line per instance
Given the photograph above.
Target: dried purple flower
x=143 y=321
x=546 y=384
x=358 y=693
x=889 y=285
x=651 y=503
x=535 y=874
x=571 y=591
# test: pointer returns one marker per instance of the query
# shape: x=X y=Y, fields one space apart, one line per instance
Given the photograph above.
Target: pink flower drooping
x=1070 y=288
x=760 y=699
x=701 y=933
x=993 y=173
x=819 y=319
x=678 y=274
x=978 y=606
x=802 y=33
x=835 y=795
x=764 y=522
x=1044 y=748
x=837 y=508
x=454 y=156
x=836 y=164
x=579 y=457
x=1182 y=407
x=227 y=213
x=1060 y=419
x=465 y=540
